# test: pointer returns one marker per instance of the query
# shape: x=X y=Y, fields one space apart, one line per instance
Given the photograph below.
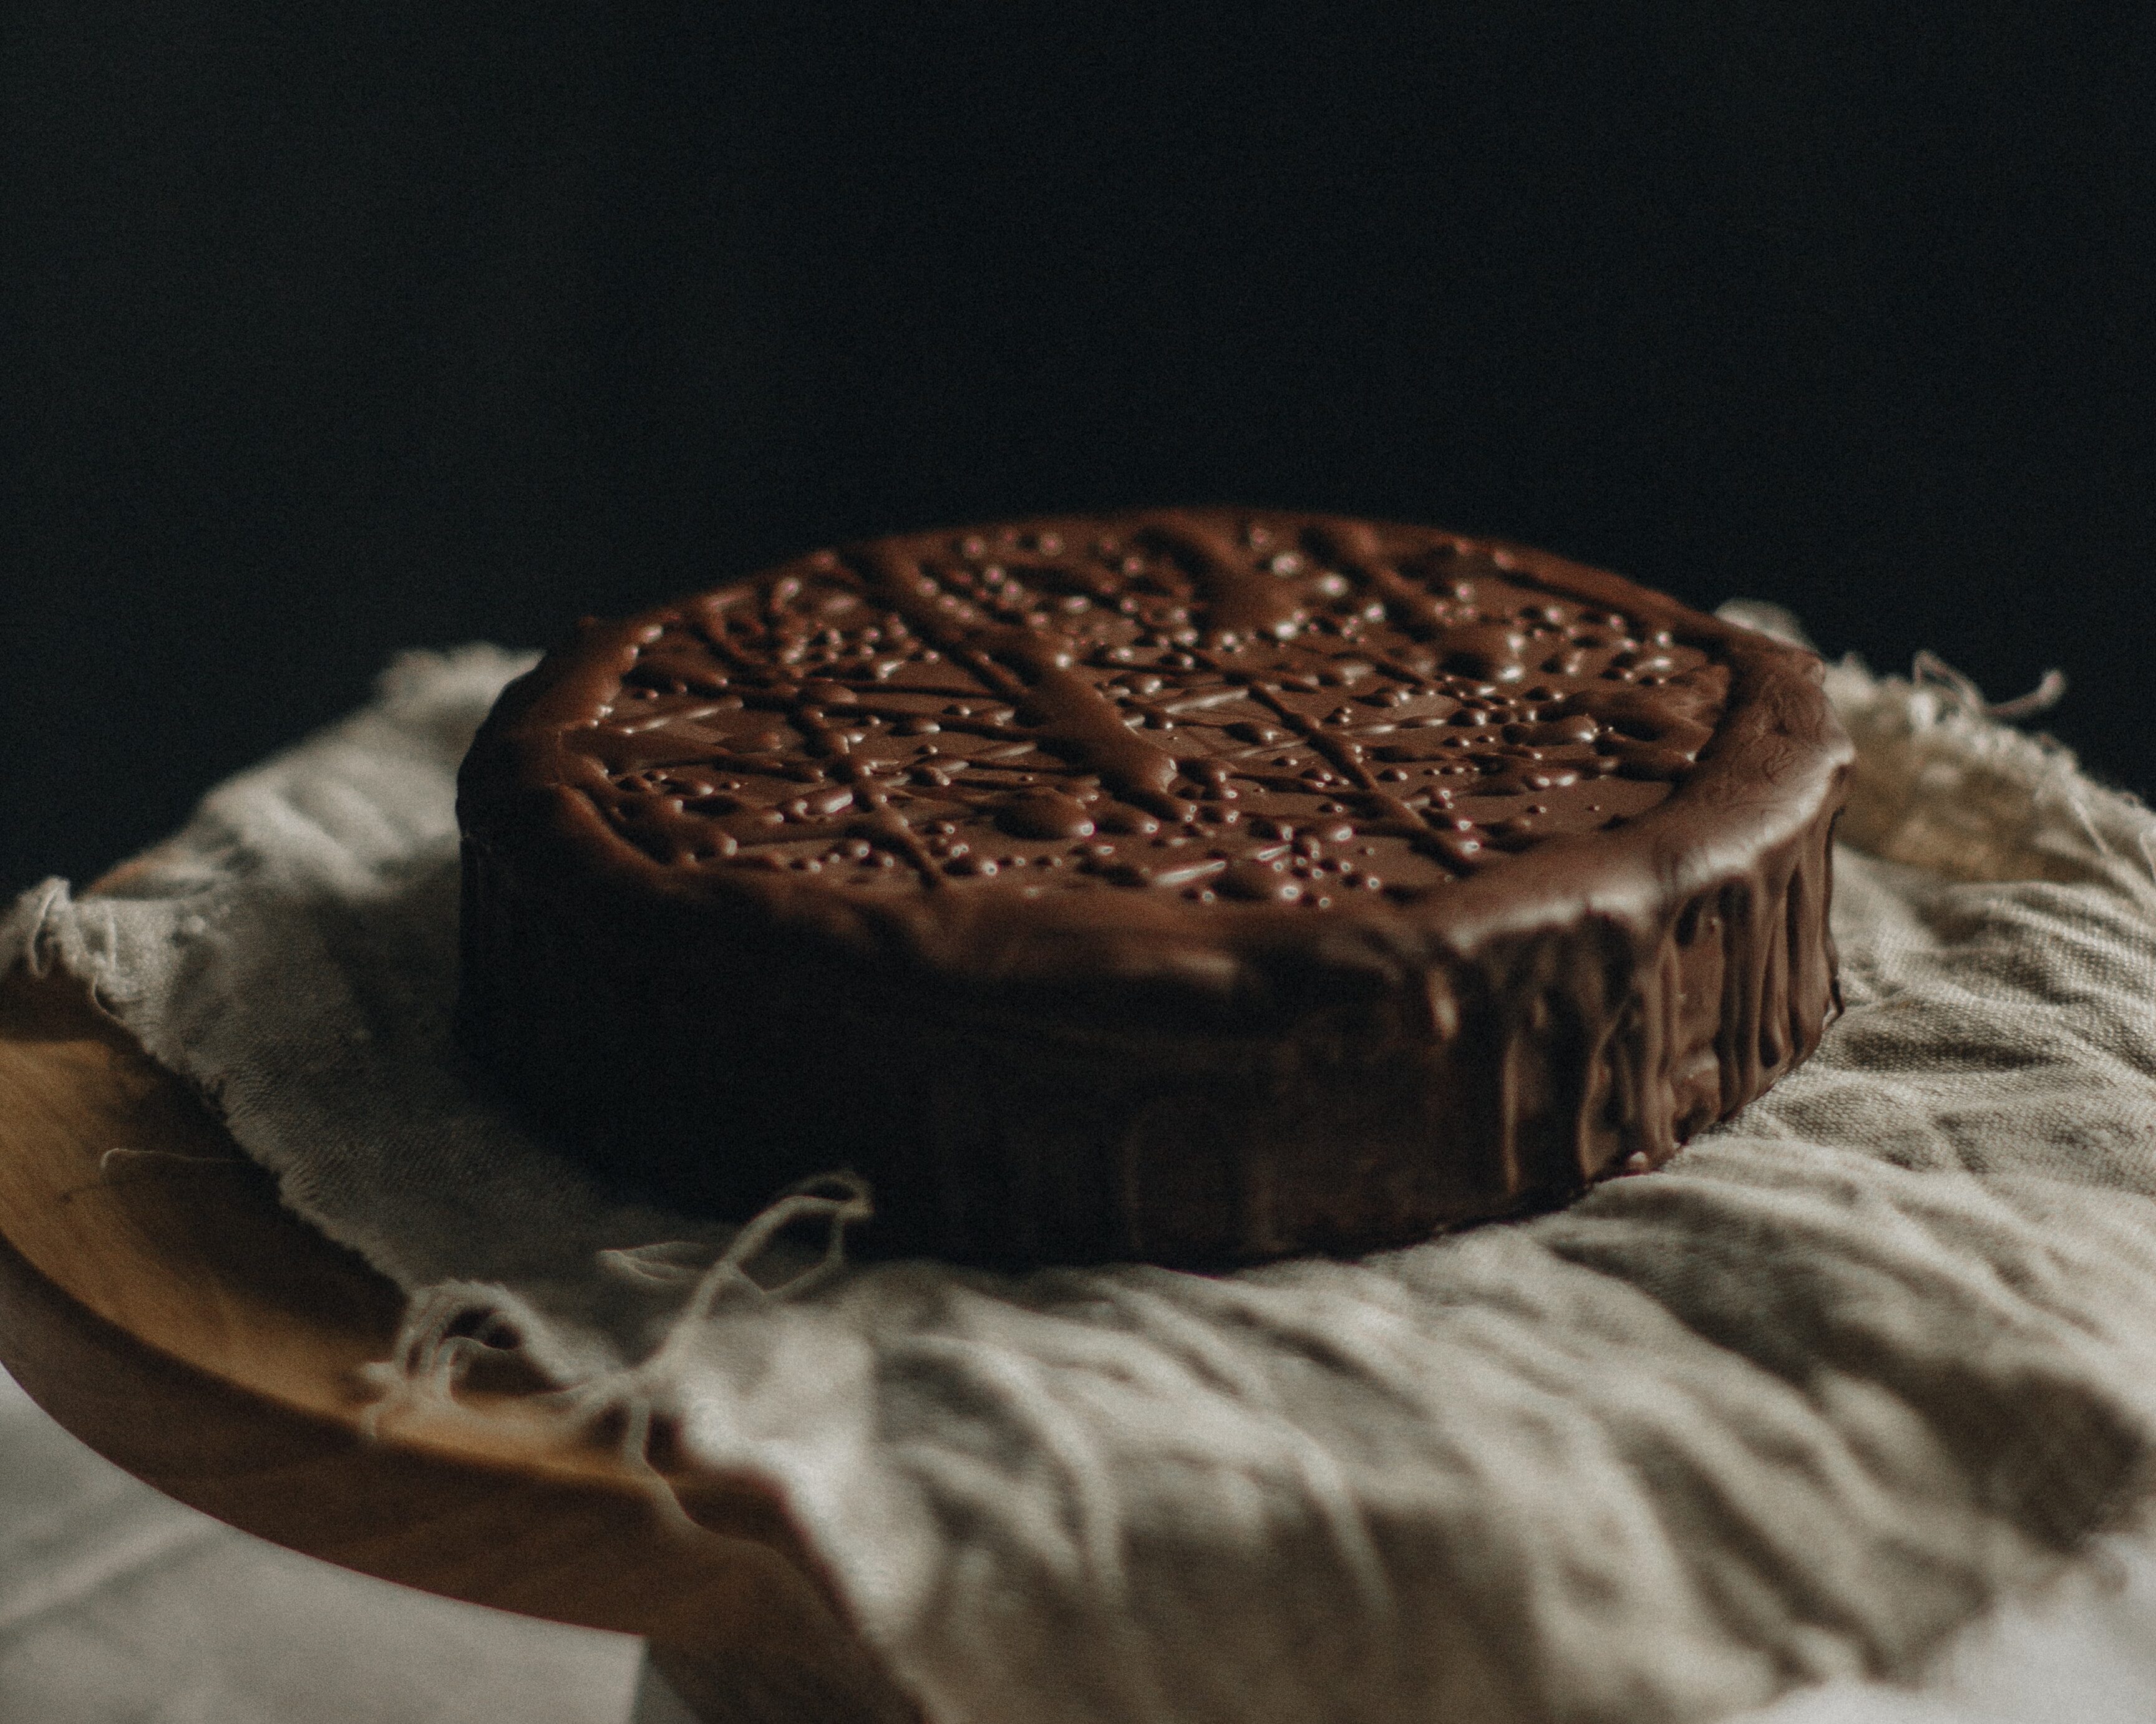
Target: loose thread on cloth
x=1929 y=670
x=450 y=1329
x=1944 y=785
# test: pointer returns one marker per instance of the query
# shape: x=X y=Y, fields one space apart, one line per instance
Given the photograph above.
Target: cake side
x=1504 y=1082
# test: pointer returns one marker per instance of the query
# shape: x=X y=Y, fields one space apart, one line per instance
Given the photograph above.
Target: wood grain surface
x=164 y=1306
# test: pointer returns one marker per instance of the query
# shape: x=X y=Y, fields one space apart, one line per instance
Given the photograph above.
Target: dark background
x=331 y=331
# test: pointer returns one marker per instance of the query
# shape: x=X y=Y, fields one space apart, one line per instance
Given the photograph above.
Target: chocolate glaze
x=1201 y=885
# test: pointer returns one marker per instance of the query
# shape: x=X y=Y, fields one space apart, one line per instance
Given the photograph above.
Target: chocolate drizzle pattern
x=1224 y=709
x=1195 y=885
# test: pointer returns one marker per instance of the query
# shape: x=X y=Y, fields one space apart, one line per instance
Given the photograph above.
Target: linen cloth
x=119 y=1604
x=1789 y=1410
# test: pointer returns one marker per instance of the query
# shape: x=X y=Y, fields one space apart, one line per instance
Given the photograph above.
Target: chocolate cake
x=1200 y=886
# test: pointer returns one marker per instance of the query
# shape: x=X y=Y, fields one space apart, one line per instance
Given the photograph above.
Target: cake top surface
x=1218 y=707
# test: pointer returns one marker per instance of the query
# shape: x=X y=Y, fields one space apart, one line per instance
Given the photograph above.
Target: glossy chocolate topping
x=1183 y=704
x=1214 y=773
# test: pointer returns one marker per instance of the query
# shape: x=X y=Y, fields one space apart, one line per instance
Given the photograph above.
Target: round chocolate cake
x=1200 y=886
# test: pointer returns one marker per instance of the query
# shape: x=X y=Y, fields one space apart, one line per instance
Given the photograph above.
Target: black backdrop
x=332 y=331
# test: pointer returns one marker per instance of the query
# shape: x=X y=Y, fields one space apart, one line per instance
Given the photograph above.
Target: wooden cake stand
x=170 y=1312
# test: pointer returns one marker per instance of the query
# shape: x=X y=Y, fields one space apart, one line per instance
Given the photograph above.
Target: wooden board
x=166 y=1309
